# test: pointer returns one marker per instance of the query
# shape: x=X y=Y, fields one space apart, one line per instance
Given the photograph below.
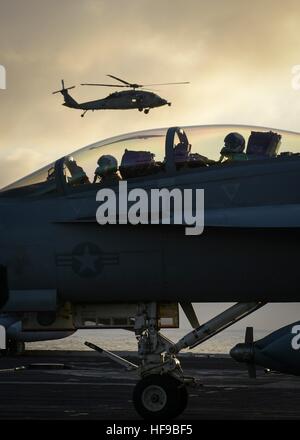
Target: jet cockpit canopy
x=156 y=152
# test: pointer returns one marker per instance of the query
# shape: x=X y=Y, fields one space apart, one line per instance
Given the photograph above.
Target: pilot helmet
x=234 y=143
x=69 y=160
x=107 y=164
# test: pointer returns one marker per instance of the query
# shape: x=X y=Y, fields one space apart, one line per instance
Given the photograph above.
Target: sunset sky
x=237 y=54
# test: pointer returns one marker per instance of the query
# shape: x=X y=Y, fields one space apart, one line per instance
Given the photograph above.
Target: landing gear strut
x=162 y=389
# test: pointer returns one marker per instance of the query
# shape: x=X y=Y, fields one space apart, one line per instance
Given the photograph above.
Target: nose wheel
x=160 y=396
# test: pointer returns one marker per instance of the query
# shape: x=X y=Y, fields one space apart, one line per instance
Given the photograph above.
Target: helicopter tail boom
x=69 y=101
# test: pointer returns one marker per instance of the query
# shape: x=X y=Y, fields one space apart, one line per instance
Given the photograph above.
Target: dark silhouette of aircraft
x=134 y=98
x=62 y=271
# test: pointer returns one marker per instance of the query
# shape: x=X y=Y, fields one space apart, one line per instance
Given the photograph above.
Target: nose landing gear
x=162 y=389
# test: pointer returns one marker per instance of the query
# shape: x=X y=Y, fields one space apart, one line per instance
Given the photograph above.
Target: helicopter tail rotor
x=63 y=89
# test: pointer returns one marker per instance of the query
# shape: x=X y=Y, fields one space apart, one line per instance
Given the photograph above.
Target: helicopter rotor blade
x=119 y=79
x=63 y=90
x=104 y=85
x=166 y=84
x=131 y=85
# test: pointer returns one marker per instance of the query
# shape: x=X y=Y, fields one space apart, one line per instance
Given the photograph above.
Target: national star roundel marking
x=87 y=260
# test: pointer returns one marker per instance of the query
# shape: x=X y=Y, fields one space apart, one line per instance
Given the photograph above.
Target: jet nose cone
x=242 y=353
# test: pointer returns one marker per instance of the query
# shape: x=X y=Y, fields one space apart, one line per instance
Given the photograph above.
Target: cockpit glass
x=39 y=182
x=134 y=155
x=143 y=153
x=209 y=140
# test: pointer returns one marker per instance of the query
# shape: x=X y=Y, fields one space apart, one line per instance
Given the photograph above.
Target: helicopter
x=143 y=100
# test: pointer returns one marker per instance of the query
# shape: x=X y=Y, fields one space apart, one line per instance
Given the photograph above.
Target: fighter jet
x=63 y=270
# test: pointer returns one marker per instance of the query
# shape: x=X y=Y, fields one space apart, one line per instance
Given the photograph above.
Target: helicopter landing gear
x=146 y=111
x=82 y=115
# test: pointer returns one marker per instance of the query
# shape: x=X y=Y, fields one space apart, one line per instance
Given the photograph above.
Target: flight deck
x=48 y=385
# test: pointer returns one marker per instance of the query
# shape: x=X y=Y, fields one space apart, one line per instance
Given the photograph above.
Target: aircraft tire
x=159 y=397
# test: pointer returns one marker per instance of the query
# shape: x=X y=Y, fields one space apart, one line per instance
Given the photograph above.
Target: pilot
x=107 y=170
x=78 y=176
x=234 y=148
